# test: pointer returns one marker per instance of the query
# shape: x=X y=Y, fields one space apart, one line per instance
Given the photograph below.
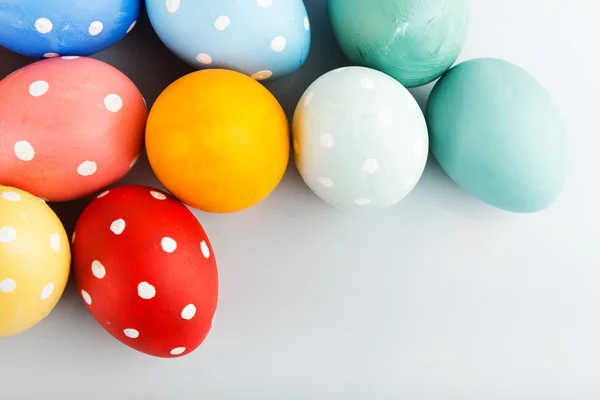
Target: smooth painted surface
x=360 y=139
x=50 y=28
x=264 y=39
x=440 y=297
x=415 y=41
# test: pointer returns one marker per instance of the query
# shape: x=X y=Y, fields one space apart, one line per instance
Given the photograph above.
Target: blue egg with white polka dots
x=51 y=28
x=265 y=39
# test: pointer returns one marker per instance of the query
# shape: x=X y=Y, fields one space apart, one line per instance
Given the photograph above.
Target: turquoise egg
x=497 y=133
x=414 y=41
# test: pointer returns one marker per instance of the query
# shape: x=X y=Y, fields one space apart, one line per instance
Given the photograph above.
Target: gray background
x=441 y=297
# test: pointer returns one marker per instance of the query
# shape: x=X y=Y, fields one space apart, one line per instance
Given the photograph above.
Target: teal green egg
x=497 y=133
x=414 y=41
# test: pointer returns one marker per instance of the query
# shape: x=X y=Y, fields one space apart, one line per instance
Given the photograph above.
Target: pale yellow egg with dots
x=35 y=258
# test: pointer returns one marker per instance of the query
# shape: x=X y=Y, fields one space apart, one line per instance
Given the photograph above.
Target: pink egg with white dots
x=69 y=127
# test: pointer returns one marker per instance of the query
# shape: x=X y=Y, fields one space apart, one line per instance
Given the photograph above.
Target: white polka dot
x=55 y=242
x=11 y=196
x=133 y=24
x=326 y=140
x=24 y=151
x=50 y=55
x=7 y=234
x=146 y=291
x=367 y=83
x=278 y=44
x=177 y=351
x=113 y=102
x=173 y=5
x=168 y=245
x=308 y=99
x=73 y=237
x=370 y=166
x=47 y=291
x=262 y=75
x=98 y=269
x=386 y=117
x=158 y=195
x=70 y=57
x=188 y=312
x=7 y=286
x=264 y=3
x=118 y=226
x=96 y=28
x=131 y=333
x=204 y=58
x=86 y=297
x=410 y=183
x=296 y=146
x=342 y=69
x=362 y=202
x=306 y=23
x=326 y=182
x=419 y=149
x=135 y=160
x=87 y=168
x=38 y=88
x=222 y=22
x=43 y=25
x=212 y=322
x=101 y=195
x=204 y=248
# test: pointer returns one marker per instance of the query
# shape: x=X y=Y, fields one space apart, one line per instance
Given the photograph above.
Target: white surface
x=441 y=297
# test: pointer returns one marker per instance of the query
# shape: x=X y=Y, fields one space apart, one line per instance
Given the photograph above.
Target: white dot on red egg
x=278 y=44
x=47 y=291
x=43 y=25
x=55 y=242
x=70 y=57
x=39 y=88
x=158 y=195
x=86 y=297
x=136 y=158
x=205 y=250
x=188 y=312
x=24 y=151
x=146 y=291
x=8 y=285
x=87 y=168
x=8 y=234
x=11 y=196
x=177 y=351
x=73 y=237
x=101 y=195
x=118 y=226
x=98 y=269
x=222 y=23
x=131 y=333
x=204 y=58
x=173 y=5
x=95 y=28
x=168 y=244
x=113 y=103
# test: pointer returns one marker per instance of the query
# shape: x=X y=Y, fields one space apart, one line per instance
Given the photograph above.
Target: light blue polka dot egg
x=51 y=28
x=261 y=38
x=360 y=139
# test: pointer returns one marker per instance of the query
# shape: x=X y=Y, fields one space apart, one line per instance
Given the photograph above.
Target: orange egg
x=218 y=140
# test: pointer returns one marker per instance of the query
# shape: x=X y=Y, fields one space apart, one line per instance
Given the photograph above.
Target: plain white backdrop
x=442 y=297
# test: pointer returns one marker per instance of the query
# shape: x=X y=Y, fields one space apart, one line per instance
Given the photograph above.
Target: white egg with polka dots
x=355 y=131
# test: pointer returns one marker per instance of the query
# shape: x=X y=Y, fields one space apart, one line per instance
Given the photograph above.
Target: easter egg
x=70 y=127
x=35 y=260
x=260 y=38
x=50 y=28
x=360 y=139
x=145 y=269
x=218 y=140
x=414 y=41
x=497 y=133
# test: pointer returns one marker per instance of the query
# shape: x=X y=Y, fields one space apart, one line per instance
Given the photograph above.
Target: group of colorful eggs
x=218 y=140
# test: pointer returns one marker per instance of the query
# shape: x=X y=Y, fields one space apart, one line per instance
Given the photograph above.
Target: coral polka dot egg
x=360 y=139
x=145 y=269
x=218 y=140
x=261 y=38
x=34 y=260
x=50 y=28
x=70 y=127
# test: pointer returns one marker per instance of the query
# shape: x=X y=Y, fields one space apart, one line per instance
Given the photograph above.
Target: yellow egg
x=35 y=258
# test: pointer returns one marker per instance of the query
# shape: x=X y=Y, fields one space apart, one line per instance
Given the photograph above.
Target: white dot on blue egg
x=264 y=3
x=222 y=23
x=173 y=5
x=43 y=25
x=278 y=44
x=96 y=28
x=204 y=58
x=306 y=23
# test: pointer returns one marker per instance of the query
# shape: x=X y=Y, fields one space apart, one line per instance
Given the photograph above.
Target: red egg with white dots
x=70 y=127
x=145 y=269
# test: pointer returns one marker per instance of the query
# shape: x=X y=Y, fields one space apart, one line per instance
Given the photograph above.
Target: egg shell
x=146 y=271
x=35 y=260
x=70 y=127
x=261 y=38
x=49 y=28
x=414 y=41
x=218 y=140
x=497 y=133
x=360 y=139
